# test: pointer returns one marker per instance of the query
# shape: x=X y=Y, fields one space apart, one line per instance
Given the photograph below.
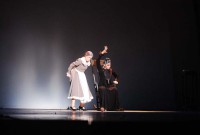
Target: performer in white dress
x=79 y=89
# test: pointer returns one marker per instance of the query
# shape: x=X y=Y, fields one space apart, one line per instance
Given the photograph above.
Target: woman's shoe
x=72 y=108
x=82 y=108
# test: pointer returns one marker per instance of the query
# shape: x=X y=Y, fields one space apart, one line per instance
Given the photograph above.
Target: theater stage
x=53 y=121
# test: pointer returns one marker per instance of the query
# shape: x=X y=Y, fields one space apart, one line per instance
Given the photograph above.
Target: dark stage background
x=153 y=45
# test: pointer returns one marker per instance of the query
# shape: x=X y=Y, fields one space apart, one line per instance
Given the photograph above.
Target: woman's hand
x=115 y=82
x=105 y=50
x=68 y=75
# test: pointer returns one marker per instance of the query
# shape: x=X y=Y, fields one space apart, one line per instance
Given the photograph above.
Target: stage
x=57 y=121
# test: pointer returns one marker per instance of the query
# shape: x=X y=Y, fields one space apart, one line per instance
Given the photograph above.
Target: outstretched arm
x=101 y=53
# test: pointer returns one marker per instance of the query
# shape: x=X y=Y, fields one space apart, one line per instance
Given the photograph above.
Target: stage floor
x=96 y=122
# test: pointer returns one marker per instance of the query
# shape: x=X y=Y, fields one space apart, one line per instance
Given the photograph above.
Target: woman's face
x=88 y=58
x=107 y=66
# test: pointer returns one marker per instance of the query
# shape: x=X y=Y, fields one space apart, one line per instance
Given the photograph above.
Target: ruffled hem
x=81 y=99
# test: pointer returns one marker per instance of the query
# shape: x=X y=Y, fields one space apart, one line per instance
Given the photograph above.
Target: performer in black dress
x=107 y=85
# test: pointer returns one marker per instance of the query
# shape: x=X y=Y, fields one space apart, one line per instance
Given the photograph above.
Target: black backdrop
x=150 y=44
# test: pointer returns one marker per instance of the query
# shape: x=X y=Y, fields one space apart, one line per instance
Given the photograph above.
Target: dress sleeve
x=116 y=76
x=99 y=67
x=73 y=65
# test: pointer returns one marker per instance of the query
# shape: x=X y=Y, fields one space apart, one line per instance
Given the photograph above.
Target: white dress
x=79 y=88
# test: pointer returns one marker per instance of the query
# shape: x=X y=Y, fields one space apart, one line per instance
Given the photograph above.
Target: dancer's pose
x=107 y=86
x=79 y=89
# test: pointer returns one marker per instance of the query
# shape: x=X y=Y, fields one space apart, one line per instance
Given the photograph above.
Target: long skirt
x=79 y=88
x=109 y=98
x=112 y=99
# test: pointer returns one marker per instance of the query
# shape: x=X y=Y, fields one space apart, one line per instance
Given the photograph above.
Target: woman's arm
x=101 y=53
x=116 y=77
x=72 y=65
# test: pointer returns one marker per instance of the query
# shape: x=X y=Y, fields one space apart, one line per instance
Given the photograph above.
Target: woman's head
x=107 y=63
x=88 y=55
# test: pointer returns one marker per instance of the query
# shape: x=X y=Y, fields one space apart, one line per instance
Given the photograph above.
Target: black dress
x=108 y=93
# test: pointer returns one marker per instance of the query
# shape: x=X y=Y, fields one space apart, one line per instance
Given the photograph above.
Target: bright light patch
x=38 y=75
